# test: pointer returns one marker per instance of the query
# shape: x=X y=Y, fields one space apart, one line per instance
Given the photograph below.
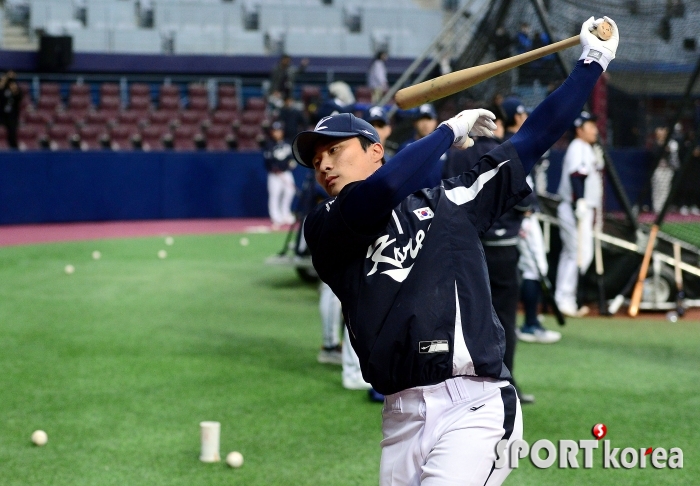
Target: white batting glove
x=479 y=122
x=595 y=49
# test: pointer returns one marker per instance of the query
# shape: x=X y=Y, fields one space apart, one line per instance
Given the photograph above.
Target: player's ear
x=376 y=151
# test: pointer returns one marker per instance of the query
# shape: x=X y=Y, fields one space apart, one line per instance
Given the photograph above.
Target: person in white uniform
x=581 y=190
x=281 y=188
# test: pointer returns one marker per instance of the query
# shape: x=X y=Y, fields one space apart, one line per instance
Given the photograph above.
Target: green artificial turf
x=120 y=361
x=689 y=232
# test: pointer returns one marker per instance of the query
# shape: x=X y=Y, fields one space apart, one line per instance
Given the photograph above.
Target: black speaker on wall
x=55 y=52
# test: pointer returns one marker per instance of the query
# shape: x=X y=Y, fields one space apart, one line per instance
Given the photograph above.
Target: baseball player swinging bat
x=448 y=84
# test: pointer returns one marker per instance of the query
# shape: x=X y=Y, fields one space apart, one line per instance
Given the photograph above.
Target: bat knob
x=603 y=31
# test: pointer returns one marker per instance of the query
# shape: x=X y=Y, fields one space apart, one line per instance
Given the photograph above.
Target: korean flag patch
x=423 y=213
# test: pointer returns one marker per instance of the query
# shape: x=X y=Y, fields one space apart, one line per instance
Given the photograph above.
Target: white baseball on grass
x=234 y=459
x=39 y=437
x=162 y=254
x=96 y=255
x=69 y=269
x=244 y=241
x=169 y=240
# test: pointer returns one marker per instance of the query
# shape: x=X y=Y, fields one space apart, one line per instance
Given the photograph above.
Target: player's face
x=383 y=130
x=277 y=134
x=337 y=163
x=588 y=132
x=425 y=126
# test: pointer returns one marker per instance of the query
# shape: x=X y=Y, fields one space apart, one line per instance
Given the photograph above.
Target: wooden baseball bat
x=451 y=83
x=600 y=274
x=639 y=286
x=680 y=293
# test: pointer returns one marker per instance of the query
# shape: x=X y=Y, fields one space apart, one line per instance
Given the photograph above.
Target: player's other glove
x=479 y=122
x=581 y=209
x=595 y=49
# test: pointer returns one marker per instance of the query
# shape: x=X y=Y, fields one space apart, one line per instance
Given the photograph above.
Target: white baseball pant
x=446 y=434
x=331 y=316
x=567 y=271
x=531 y=248
x=281 y=190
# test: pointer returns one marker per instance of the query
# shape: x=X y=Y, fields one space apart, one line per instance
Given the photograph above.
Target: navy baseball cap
x=376 y=113
x=511 y=106
x=341 y=125
x=277 y=125
x=426 y=111
x=583 y=118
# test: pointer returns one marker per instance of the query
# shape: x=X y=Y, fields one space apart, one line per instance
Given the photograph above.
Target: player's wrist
x=594 y=54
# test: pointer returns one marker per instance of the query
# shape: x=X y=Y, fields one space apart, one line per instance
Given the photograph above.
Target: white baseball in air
x=162 y=254
x=244 y=241
x=234 y=459
x=96 y=255
x=40 y=438
x=169 y=240
x=69 y=269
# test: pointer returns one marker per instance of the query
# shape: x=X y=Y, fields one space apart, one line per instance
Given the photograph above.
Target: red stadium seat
x=253 y=117
x=109 y=102
x=141 y=105
x=59 y=136
x=227 y=91
x=249 y=137
x=100 y=117
x=226 y=118
x=80 y=106
x=79 y=90
x=38 y=117
x=153 y=137
x=64 y=118
x=192 y=118
x=48 y=103
x=228 y=104
x=50 y=89
x=28 y=137
x=162 y=117
x=90 y=136
x=140 y=89
x=183 y=137
x=216 y=137
x=169 y=103
x=197 y=90
x=109 y=89
x=255 y=104
x=129 y=117
x=169 y=90
x=198 y=103
x=121 y=136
